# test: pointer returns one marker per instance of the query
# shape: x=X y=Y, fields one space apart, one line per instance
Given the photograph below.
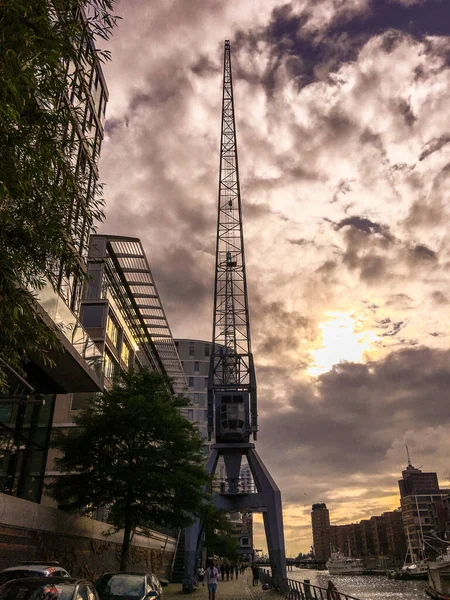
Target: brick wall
x=30 y=531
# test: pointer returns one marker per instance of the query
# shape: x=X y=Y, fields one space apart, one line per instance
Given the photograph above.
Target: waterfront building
x=346 y=539
x=380 y=540
x=123 y=313
x=419 y=490
x=320 y=519
x=77 y=365
x=395 y=535
x=439 y=515
x=416 y=482
x=367 y=540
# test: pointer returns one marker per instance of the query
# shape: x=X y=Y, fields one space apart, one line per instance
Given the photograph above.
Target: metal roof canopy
x=133 y=268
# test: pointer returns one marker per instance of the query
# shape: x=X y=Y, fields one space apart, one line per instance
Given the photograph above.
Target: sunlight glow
x=341 y=342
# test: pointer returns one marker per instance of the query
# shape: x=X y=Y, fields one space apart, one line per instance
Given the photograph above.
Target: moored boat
x=417 y=571
x=339 y=564
x=439 y=578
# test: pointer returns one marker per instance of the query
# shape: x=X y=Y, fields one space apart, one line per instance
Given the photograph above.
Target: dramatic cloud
x=343 y=137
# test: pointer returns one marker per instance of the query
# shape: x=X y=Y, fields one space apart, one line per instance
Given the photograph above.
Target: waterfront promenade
x=241 y=589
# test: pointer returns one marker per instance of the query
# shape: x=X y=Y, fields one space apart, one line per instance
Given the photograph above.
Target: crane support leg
x=273 y=517
x=267 y=500
x=193 y=534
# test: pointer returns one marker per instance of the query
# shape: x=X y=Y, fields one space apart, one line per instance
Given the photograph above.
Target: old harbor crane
x=232 y=399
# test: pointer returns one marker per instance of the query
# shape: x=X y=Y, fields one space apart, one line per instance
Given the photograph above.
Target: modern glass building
x=123 y=314
x=77 y=365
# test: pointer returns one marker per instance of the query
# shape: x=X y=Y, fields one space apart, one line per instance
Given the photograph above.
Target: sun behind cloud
x=341 y=342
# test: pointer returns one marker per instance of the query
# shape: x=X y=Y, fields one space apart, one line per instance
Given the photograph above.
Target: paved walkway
x=241 y=589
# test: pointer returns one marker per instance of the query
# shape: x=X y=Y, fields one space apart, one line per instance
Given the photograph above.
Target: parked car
x=48 y=588
x=124 y=586
x=33 y=569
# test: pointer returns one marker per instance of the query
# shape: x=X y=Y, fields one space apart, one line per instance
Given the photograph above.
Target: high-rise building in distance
x=320 y=519
x=417 y=491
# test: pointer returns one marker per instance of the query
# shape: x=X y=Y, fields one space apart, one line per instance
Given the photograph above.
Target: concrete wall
x=30 y=531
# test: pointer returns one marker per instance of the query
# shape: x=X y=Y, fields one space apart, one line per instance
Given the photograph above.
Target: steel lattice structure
x=231 y=360
x=232 y=383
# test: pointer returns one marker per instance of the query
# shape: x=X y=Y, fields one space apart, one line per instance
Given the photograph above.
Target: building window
x=125 y=353
x=206 y=383
x=205 y=416
x=196 y=366
x=206 y=349
x=191 y=382
x=112 y=330
x=190 y=414
x=196 y=399
x=191 y=349
x=110 y=366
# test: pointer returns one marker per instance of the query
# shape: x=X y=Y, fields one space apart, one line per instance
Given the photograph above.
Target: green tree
x=40 y=178
x=219 y=540
x=134 y=452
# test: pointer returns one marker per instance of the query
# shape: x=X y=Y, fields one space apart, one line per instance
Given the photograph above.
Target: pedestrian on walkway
x=231 y=571
x=255 y=572
x=212 y=575
x=236 y=571
x=222 y=571
x=227 y=571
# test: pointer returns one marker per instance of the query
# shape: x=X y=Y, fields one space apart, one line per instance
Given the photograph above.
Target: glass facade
x=24 y=438
x=25 y=425
x=86 y=100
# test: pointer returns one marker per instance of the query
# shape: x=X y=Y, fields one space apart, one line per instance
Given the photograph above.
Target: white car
x=32 y=569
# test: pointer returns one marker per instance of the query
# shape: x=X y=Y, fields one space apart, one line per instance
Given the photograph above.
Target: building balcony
x=77 y=364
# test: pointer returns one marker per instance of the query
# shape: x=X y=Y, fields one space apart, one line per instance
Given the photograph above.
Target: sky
x=342 y=118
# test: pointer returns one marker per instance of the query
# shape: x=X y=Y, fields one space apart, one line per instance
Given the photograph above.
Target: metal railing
x=241 y=485
x=303 y=590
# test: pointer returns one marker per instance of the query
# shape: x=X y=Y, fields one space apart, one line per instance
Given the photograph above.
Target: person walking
x=227 y=571
x=222 y=571
x=236 y=571
x=212 y=575
x=255 y=573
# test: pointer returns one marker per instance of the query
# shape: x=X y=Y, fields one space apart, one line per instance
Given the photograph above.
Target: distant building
x=415 y=482
x=195 y=356
x=439 y=515
x=320 y=519
x=419 y=490
x=380 y=540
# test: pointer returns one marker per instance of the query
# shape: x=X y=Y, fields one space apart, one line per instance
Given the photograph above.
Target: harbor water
x=365 y=587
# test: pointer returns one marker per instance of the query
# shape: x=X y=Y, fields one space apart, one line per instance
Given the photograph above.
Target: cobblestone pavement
x=241 y=589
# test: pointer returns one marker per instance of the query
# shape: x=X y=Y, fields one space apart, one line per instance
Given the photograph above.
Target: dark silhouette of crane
x=232 y=399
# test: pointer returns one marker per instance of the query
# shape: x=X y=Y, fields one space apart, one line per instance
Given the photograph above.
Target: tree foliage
x=218 y=534
x=134 y=452
x=40 y=181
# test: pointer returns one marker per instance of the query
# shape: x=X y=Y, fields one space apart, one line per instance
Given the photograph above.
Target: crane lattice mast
x=232 y=409
x=231 y=360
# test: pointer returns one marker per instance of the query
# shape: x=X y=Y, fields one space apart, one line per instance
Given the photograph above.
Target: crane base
x=267 y=500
